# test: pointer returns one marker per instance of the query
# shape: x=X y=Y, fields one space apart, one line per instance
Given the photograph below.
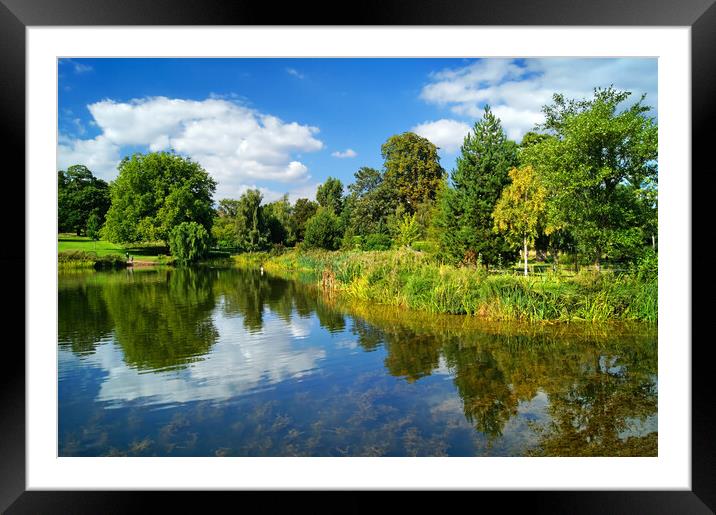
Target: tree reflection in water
x=599 y=382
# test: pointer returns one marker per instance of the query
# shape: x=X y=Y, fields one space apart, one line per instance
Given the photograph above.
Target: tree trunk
x=525 y=254
x=555 y=259
x=653 y=242
x=598 y=261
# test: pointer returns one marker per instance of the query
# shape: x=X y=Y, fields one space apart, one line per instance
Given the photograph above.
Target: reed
x=406 y=278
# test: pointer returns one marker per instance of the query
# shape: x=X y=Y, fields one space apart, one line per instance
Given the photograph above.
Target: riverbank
x=82 y=252
x=411 y=279
x=79 y=259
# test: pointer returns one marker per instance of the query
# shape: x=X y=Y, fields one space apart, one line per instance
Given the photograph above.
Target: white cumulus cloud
x=235 y=144
x=516 y=89
x=349 y=152
x=446 y=134
x=99 y=154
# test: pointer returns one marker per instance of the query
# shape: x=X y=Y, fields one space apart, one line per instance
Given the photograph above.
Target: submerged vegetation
x=335 y=379
x=415 y=280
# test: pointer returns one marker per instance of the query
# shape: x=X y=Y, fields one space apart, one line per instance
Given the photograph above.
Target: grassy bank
x=74 y=250
x=80 y=252
x=411 y=279
x=77 y=259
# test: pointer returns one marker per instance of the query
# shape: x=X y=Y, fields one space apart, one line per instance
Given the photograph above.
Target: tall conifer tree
x=481 y=173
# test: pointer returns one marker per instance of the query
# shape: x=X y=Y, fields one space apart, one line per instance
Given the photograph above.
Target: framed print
x=252 y=325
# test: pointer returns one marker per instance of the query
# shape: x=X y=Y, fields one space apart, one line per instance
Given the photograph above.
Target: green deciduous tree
x=598 y=167
x=154 y=193
x=368 y=205
x=330 y=195
x=224 y=228
x=228 y=208
x=412 y=170
x=189 y=242
x=465 y=211
x=302 y=211
x=94 y=224
x=520 y=210
x=247 y=225
x=323 y=230
x=278 y=220
x=532 y=138
x=79 y=194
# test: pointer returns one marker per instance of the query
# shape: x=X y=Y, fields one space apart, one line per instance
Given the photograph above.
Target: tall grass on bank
x=75 y=259
x=407 y=278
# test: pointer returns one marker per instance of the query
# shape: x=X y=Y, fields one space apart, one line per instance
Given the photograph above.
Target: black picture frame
x=16 y=15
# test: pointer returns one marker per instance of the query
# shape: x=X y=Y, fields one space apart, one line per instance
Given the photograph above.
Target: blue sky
x=285 y=125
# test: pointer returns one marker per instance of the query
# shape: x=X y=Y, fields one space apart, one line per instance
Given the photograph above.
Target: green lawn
x=67 y=242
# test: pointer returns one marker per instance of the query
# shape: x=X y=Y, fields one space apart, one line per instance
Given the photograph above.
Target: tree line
x=583 y=182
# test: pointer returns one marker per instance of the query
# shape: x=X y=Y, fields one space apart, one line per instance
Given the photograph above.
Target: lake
x=230 y=362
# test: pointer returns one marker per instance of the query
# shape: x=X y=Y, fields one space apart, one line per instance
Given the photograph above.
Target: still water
x=226 y=362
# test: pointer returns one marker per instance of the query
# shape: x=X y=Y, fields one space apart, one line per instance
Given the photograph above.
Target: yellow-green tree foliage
x=520 y=210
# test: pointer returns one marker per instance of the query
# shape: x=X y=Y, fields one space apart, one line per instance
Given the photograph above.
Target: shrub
x=377 y=241
x=110 y=261
x=81 y=259
x=189 y=242
x=351 y=242
x=647 y=266
x=407 y=230
x=323 y=230
x=424 y=246
x=277 y=249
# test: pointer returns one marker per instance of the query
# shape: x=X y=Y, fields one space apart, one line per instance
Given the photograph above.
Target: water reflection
x=75 y=328
x=233 y=368
x=286 y=372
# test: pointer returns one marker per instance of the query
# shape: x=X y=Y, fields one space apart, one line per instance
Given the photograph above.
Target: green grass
x=70 y=242
x=411 y=279
x=73 y=243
